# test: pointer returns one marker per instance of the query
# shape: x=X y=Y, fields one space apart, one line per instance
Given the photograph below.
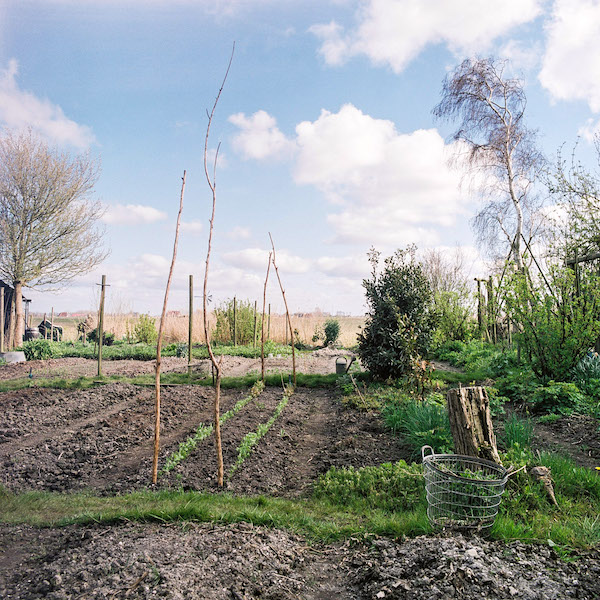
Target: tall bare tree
x=496 y=146
x=48 y=220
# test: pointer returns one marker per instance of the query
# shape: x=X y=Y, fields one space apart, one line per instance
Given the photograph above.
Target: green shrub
x=38 y=349
x=145 y=330
x=419 y=423
x=557 y=397
x=390 y=487
x=331 y=330
x=518 y=384
x=244 y=322
x=586 y=374
x=108 y=339
x=400 y=320
x=557 y=326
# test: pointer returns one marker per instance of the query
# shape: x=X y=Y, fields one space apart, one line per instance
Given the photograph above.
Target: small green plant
x=331 y=330
x=517 y=431
x=251 y=439
x=203 y=431
x=390 y=486
x=38 y=349
x=145 y=330
x=586 y=374
x=550 y=418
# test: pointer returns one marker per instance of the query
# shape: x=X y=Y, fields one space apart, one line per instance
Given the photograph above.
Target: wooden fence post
x=52 y=325
x=234 y=321
x=190 y=325
x=254 y=335
x=101 y=325
x=2 y=319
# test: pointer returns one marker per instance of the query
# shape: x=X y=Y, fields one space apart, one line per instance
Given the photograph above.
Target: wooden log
x=471 y=423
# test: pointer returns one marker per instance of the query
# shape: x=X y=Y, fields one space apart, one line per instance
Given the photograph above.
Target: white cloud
x=255 y=259
x=132 y=214
x=238 y=233
x=352 y=267
x=260 y=137
x=20 y=109
x=590 y=130
x=193 y=227
x=394 y=188
x=571 y=64
x=393 y=32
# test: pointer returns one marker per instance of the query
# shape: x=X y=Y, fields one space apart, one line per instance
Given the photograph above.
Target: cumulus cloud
x=571 y=64
x=352 y=267
x=238 y=233
x=193 y=227
x=20 y=109
x=393 y=188
x=255 y=259
x=260 y=138
x=393 y=32
x=132 y=214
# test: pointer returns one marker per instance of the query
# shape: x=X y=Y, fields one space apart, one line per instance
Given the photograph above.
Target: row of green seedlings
x=251 y=439
x=204 y=431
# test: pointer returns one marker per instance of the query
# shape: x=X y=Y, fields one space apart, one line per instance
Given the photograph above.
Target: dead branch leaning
x=262 y=333
x=212 y=184
x=287 y=312
x=159 y=341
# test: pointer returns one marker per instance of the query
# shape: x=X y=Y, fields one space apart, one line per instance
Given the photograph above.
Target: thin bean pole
x=212 y=184
x=287 y=312
x=262 y=333
x=159 y=341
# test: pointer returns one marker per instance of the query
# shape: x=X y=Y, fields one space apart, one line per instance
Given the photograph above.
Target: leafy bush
x=518 y=384
x=586 y=374
x=37 y=349
x=391 y=487
x=145 y=330
x=400 y=321
x=332 y=331
x=558 y=324
x=454 y=321
x=108 y=339
x=244 y=322
x=557 y=397
x=419 y=423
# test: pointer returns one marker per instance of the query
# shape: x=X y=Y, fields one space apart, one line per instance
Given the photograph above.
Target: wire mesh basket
x=463 y=492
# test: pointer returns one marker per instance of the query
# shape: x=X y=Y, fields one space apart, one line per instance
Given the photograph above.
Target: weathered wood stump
x=471 y=423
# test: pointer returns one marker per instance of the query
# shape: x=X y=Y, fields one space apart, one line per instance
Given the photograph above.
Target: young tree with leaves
x=496 y=146
x=48 y=220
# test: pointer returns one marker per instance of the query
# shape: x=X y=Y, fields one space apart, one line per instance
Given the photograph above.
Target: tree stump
x=471 y=423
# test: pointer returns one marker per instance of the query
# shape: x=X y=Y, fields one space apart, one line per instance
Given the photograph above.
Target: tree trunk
x=19 y=315
x=471 y=423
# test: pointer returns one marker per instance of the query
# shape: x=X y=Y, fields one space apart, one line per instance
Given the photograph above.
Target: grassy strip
x=203 y=431
x=82 y=383
x=251 y=439
x=318 y=520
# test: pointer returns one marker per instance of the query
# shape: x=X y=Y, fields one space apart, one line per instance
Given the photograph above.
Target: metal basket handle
x=423 y=452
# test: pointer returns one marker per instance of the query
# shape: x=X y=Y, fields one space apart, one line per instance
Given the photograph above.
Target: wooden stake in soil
x=254 y=331
x=287 y=312
x=234 y=321
x=159 y=340
x=52 y=325
x=190 y=325
x=45 y=328
x=100 y=325
x=212 y=184
x=471 y=423
x=262 y=333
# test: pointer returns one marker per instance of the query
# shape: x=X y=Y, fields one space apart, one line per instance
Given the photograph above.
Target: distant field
x=176 y=329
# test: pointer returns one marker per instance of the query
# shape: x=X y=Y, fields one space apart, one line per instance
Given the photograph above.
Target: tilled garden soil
x=242 y=562
x=101 y=440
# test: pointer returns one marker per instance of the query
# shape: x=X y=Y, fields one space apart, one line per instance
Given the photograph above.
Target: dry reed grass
x=176 y=327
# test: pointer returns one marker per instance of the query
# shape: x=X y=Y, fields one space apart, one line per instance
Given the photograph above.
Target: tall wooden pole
x=101 y=325
x=52 y=325
x=190 y=325
x=269 y=323
x=254 y=332
x=262 y=322
x=2 y=319
x=234 y=321
x=45 y=328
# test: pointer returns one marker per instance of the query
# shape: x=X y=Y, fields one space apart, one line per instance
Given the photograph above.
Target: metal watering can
x=342 y=365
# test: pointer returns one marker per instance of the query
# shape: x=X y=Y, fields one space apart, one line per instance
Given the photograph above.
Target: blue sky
x=327 y=137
